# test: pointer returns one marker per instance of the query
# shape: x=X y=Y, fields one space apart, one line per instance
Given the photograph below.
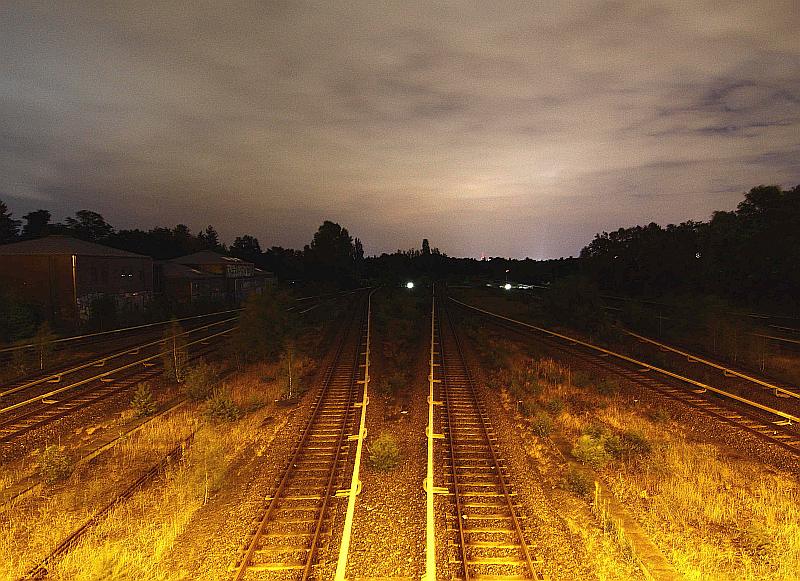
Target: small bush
x=578 y=482
x=200 y=381
x=595 y=430
x=221 y=407
x=384 y=453
x=555 y=406
x=591 y=450
x=551 y=371
x=143 y=403
x=542 y=424
x=55 y=465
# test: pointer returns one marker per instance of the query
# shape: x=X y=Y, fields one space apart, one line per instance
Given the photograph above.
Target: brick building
x=211 y=276
x=64 y=275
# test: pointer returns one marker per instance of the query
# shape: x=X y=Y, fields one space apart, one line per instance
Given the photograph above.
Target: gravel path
x=389 y=524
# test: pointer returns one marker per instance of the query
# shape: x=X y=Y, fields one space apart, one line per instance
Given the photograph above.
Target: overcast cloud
x=510 y=129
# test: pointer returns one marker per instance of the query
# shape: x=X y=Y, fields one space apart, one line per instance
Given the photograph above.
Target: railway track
x=295 y=520
x=103 y=343
x=42 y=409
x=485 y=526
x=39 y=401
x=773 y=425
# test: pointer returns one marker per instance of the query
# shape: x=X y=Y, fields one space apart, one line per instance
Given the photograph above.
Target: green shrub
x=384 y=453
x=55 y=465
x=578 y=482
x=143 y=403
x=221 y=407
x=595 y=430
x=200 y=381
x=542 y=424
x=591 y=450
x=555 y=406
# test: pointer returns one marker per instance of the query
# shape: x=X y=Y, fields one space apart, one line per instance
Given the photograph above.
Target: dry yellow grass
x=713 y=515
x=131 y=541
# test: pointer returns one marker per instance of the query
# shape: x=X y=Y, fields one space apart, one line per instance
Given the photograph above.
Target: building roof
x=174 y=270
x=208 y=257
x=58 y=245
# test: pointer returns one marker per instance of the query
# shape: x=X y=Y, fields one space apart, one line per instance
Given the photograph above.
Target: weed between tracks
x=131 y=542
x=714 y=516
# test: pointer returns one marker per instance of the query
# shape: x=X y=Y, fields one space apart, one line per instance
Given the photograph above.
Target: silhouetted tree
x=210 y=238
x=247 y=248
x=88 y=225
x=330 y=256
x=9 y=228
x=264 y=327
x=426 y=247
x=37 y=224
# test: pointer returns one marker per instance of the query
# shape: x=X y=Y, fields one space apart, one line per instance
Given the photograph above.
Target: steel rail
x=774 y=338
x=105 y=374
x=122 y=330
x=727 y=370
x=102 y=360
x=648 y=366
x=530 y=562
x=245 y=559
x=355 y=483
x=430 y=517
x=157 y=323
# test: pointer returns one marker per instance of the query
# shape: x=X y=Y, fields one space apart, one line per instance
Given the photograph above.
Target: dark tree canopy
x=9 y=228
x=331 y=254
x=37 y=224
x=247 y=248
x=750 y=255
x=88 y=225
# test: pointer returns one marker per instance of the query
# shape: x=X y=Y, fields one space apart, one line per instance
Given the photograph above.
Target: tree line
x=332 y=255
x=750 y=255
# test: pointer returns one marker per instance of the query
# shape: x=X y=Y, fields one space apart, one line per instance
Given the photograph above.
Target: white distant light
x=507 y=286
x=409 y=284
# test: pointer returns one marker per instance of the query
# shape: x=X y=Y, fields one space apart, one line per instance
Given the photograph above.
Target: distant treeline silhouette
x=750 y=255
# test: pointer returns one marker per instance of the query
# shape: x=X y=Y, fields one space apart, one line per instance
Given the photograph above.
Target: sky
x=515 y=129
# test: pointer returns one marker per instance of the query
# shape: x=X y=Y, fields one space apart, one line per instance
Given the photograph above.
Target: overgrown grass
x=713 y=516
x=132 y=542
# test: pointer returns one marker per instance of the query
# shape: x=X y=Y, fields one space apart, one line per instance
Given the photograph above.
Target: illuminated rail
x=101 y=361
x=648 y=366
x=726 y=370
x=486 y=524
x=295 y=518
x=114 y=331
